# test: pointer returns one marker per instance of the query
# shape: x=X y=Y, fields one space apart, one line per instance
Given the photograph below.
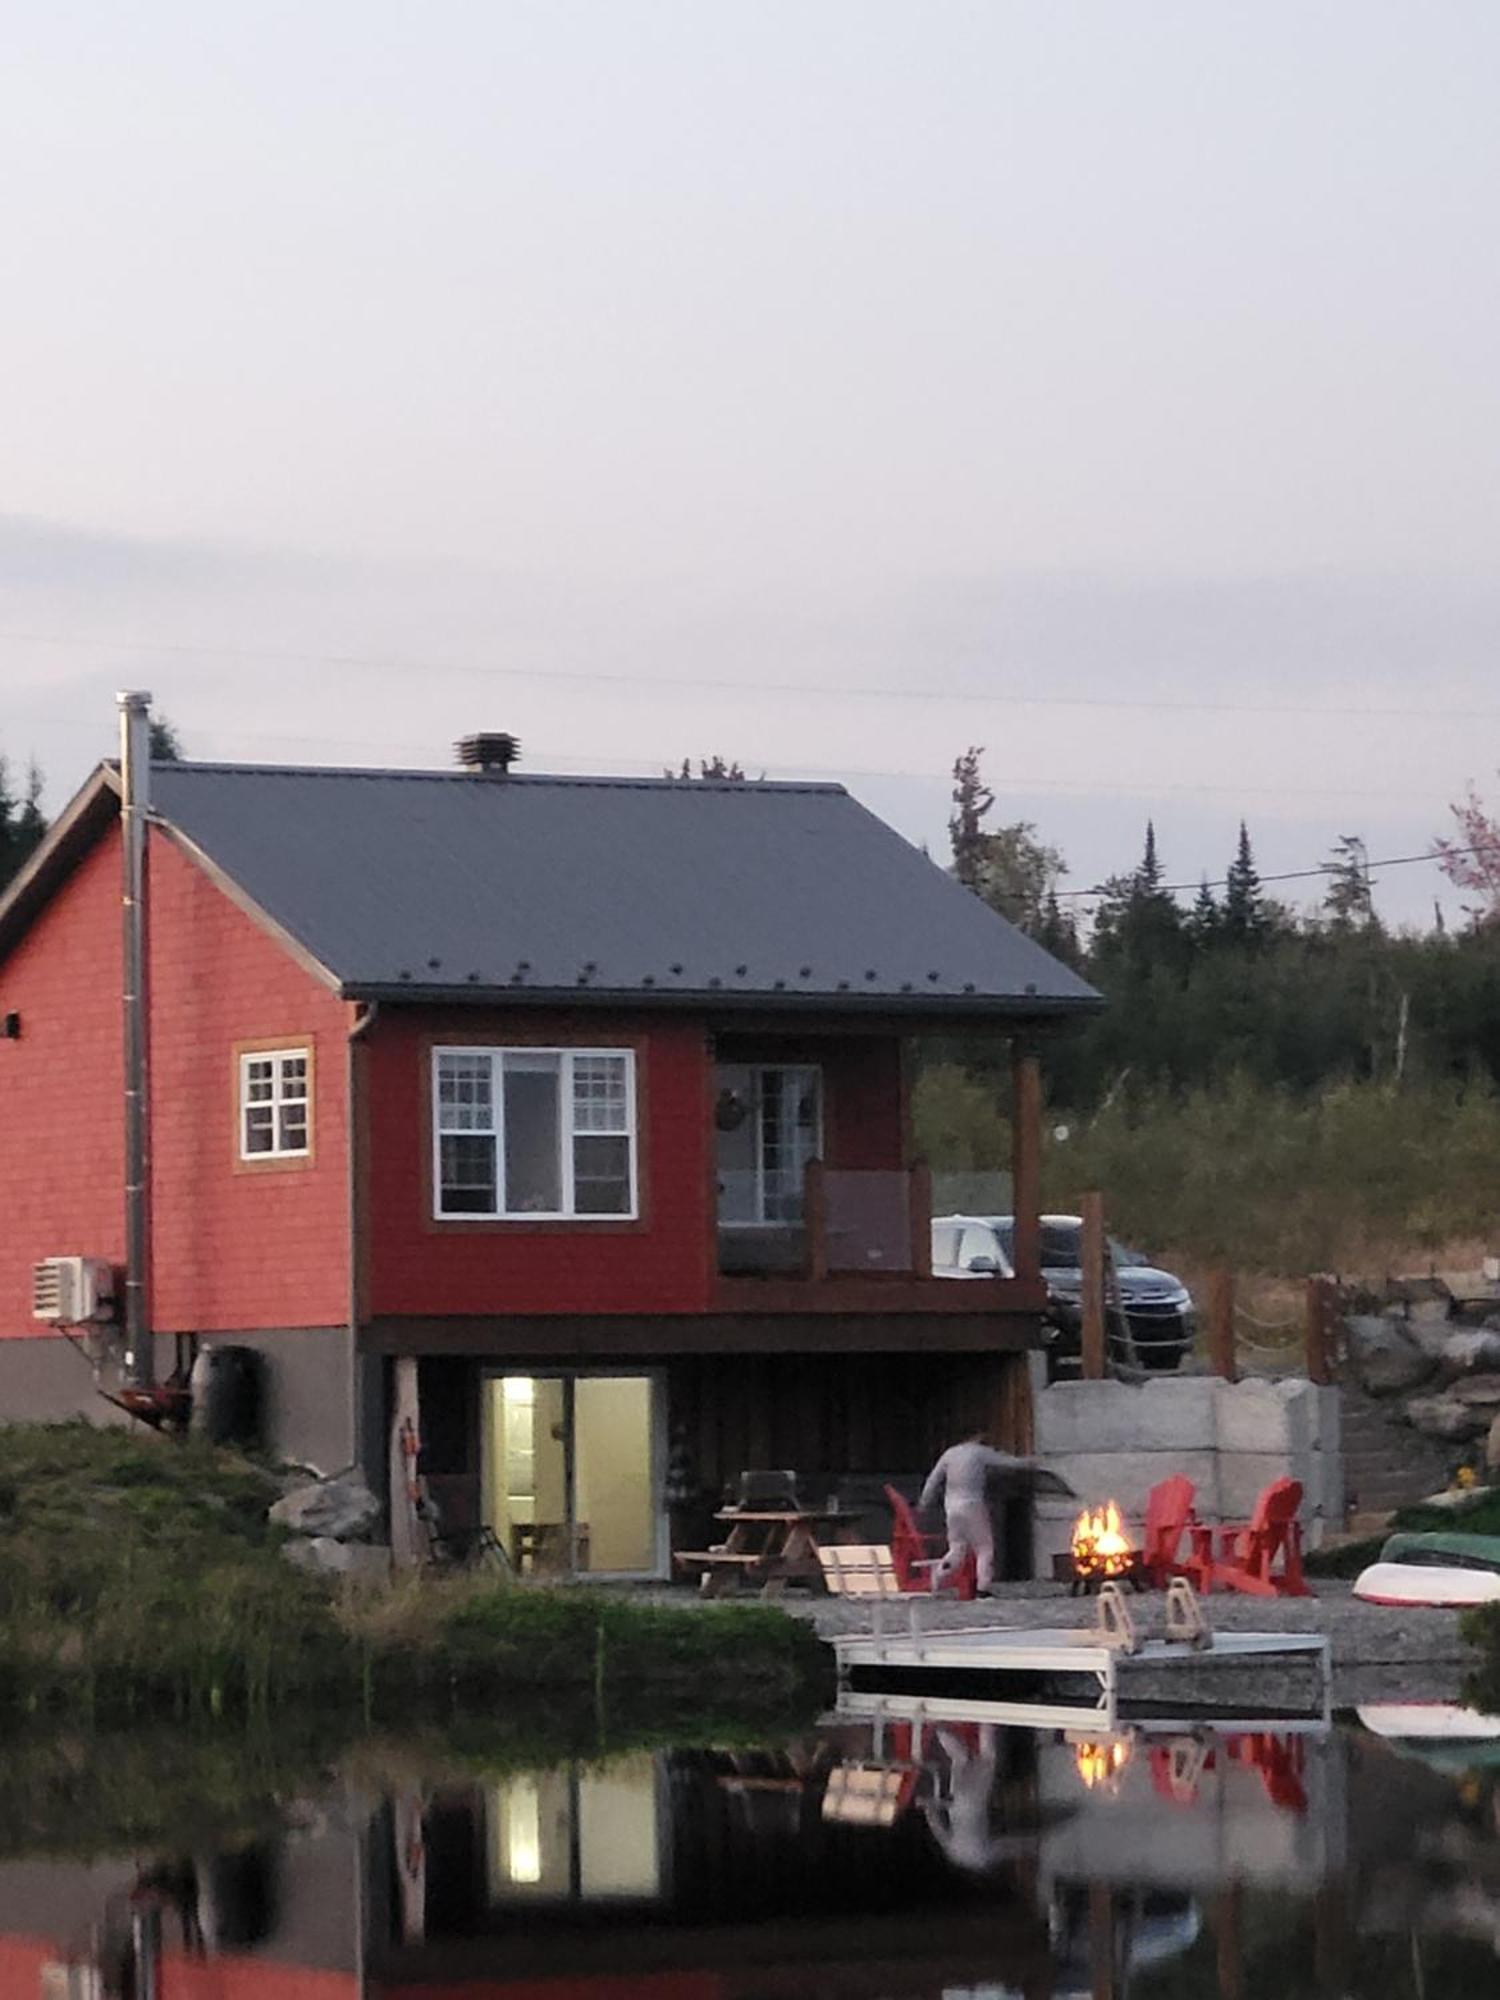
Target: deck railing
x=866 y=1222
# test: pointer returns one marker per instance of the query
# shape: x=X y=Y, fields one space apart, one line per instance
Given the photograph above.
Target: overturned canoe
x=1440 y=1585
x=1449 y=1548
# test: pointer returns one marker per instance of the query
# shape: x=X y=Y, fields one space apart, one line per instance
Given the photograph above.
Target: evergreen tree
x=1202 y=926
x=1057 y=931
x=972 y=800
x=166 y=745
x=1138 y=925
x=715 y=767
x=1244 y=918
x=1148 y=875
x=22 y=823
x=1348 y=898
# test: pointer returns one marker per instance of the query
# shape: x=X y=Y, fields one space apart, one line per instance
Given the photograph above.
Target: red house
x=569 y=1115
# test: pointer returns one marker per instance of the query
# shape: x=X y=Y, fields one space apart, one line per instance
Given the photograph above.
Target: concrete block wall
x=1115 y=1440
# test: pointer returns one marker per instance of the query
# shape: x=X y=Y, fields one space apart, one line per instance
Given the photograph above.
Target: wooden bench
x=860 y=1569
x=867 y=1570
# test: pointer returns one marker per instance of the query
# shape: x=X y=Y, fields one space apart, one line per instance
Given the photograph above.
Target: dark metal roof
x=457 y=885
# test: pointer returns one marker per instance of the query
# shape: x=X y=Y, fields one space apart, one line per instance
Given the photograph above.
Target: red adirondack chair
x=1169 y=1511
x=1244 y=1557
x=913 y=1554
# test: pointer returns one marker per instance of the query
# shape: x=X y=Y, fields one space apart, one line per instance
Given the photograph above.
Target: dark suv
x=1160 y=1324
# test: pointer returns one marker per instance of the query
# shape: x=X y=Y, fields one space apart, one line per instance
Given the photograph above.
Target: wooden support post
x=1322 y=1306
x=408 y=1546
x=1221 y=1323
x=919 y=1195
x=815 y=1220
x=1093 y=1252
x=1026 y=1159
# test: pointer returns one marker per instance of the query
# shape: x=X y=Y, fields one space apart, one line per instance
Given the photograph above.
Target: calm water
x=873 y=1856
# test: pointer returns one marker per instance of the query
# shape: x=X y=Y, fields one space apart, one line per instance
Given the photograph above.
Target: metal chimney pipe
x=135 y=805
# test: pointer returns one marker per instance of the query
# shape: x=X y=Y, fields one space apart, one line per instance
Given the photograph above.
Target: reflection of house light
x=520 y=1389
x=523 y=1832
x=1100 y=1760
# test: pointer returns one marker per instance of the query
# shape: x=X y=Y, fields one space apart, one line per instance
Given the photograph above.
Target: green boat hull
x=1444 y=1548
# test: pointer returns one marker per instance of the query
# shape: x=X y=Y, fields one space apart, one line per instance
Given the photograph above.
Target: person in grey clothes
x=960 y=1476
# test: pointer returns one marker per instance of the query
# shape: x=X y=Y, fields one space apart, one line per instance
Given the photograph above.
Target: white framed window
x=275 y=1104
x=770 y=1120
x=545 y=1134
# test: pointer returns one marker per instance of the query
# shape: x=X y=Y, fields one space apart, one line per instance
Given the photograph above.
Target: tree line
x=1234 y=983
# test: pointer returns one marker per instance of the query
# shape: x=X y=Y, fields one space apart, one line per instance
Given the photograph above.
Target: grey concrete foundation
x=1115 y=1440
x=310 y=1412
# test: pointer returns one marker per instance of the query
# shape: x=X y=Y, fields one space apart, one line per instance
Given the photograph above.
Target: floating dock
x=1104 y=1658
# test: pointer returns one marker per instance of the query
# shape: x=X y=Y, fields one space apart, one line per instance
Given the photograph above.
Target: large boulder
x=1384 y=1358
x=342 y=1509
x=323 y=1556
x=1469 y=1353
x=1446 y=1417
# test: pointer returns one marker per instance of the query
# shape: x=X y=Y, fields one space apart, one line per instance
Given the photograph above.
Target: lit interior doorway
x=571 y=1479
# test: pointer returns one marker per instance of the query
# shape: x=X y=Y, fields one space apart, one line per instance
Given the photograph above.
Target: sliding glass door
x=571 y=1474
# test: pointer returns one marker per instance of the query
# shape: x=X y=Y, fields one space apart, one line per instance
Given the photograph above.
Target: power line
x=1017 y=784
x=1009 y=698
x=1300 y=874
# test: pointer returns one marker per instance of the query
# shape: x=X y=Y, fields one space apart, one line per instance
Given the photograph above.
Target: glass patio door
x=570 y=1472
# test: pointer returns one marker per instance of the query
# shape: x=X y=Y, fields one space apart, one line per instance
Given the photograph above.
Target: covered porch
x=601 y=1469
x=821 y=1200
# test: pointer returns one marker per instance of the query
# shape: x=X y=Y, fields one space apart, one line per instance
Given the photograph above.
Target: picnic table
x=770 y=1547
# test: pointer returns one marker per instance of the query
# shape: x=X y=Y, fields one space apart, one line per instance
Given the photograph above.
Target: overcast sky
x=833 y=383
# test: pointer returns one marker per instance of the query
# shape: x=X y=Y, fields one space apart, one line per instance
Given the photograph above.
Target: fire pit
x=1100 y=1551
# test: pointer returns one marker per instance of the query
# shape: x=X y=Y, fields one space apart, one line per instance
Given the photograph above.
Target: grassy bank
x=140 y=1576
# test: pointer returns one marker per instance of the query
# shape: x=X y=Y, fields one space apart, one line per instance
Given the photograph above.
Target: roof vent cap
x=491 y=754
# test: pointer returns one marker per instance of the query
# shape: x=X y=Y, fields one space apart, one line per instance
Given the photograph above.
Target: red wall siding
x=236 y=1248
x=233 y=1251
x=661 y=1264
x=863 y=1100
x=61 y=1148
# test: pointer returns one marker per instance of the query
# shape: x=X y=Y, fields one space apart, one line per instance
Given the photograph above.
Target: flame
x=1100 y=1760
x=1101 y=1546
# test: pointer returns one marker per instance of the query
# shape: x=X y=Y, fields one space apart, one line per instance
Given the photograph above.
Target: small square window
x=275 y=1117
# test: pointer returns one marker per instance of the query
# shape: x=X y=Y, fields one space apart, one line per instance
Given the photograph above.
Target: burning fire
x=1101 y=1546
x=1100 y=1760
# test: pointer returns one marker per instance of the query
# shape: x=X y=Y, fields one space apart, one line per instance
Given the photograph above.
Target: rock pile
x=332 y=1523
x=1441 y=1377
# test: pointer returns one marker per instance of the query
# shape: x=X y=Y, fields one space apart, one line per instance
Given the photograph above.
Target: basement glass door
x=571 y=1482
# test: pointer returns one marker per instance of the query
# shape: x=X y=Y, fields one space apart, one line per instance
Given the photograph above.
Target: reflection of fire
x=1101 y=1546
x=1100 y=1760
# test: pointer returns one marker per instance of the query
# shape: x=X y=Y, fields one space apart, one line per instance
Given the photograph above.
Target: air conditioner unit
x=73 y=1290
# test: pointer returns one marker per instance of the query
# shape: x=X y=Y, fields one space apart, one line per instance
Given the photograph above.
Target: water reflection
x=893 y=1853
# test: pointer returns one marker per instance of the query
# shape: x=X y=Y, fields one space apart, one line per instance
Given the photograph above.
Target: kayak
x=1429 y=1583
